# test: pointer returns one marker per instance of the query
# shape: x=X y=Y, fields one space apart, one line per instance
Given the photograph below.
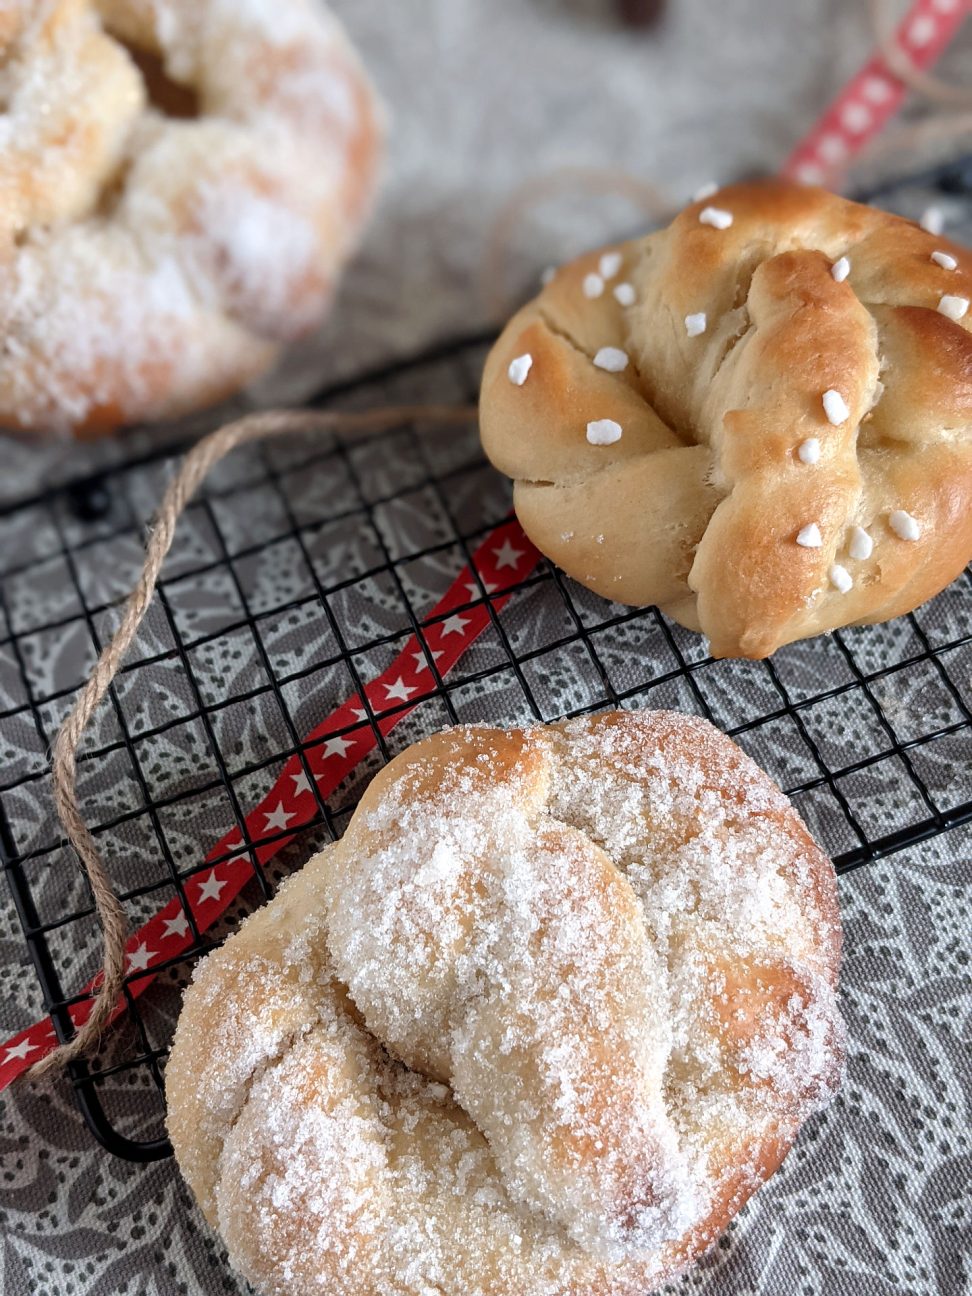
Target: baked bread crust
x=155 y=253
x=697 y=507
x=542 y=1021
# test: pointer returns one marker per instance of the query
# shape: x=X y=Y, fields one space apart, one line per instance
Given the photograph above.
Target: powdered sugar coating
x=606 y=951
x=158 y=261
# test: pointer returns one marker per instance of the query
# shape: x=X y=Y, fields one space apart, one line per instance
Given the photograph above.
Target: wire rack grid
x=295 y=578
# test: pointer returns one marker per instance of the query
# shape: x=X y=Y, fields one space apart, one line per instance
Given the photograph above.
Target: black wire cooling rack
x=295 y=578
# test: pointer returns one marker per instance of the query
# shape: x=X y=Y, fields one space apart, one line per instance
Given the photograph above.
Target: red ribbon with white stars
x=330 y=752
x=506 y=557
x=875 y=94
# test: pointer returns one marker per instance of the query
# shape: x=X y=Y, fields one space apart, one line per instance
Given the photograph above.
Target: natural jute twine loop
x=190 y=476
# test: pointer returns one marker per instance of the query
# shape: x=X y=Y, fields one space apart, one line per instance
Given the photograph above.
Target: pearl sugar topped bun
x=809 y=358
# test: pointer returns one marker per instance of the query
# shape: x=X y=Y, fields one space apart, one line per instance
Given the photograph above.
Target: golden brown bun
x=169 y=216
x=542 y=1021
x=696 y=508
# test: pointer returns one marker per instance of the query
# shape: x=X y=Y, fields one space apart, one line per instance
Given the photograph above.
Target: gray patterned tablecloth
x=875 y=1198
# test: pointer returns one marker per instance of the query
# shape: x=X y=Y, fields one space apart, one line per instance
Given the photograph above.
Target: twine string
x=942 y=128
x=192 y=472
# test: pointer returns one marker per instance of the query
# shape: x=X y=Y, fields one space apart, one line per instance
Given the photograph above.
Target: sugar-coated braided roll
x=546 y=1016
x=181 y=182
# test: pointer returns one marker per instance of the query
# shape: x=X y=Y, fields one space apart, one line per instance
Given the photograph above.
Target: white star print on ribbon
x=399 y=690
x=210 y=888
x=278 y=818
x=454 y=625
x=139 y=958
x=507 y=556
x=19 y=1051
x=177 y=926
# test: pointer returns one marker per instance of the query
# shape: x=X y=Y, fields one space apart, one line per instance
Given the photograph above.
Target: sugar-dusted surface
x=601 y=957
x=159 y=260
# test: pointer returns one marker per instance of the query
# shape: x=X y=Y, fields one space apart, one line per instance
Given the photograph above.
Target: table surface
x=874 y=1197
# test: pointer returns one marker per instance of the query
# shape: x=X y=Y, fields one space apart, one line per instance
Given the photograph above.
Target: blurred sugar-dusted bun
x=540 y=1023
x=759 y=418
x=181 y=182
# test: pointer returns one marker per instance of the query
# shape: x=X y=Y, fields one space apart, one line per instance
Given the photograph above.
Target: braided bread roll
x=759 y=418
x=541 y=1022
x=181 y=182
